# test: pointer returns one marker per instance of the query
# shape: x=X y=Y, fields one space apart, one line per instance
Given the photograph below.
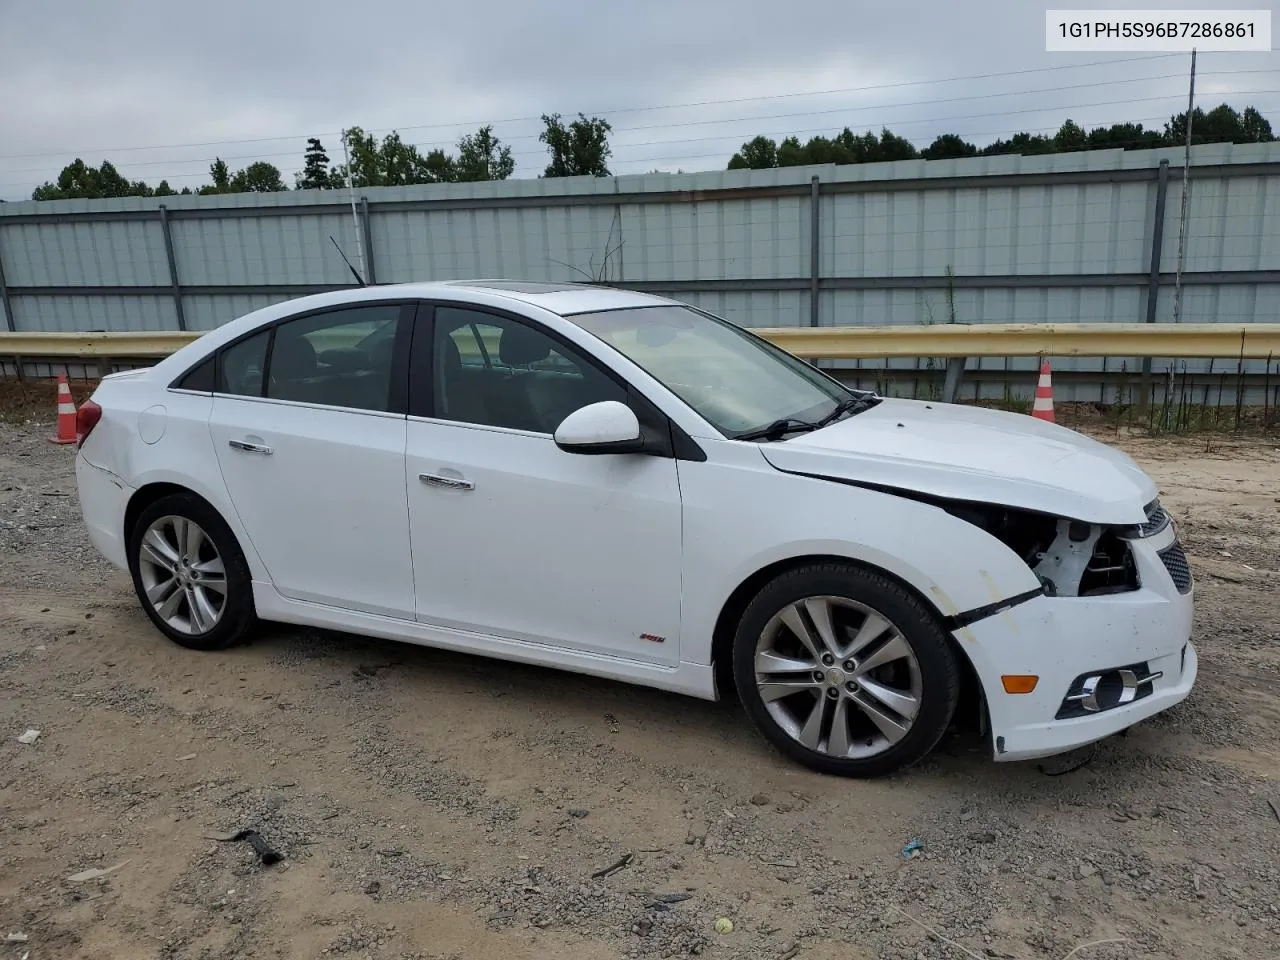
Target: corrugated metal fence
x=1070 y=237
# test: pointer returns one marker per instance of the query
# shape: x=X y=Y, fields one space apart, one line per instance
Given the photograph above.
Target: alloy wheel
x=838 y=677
x=182 y=573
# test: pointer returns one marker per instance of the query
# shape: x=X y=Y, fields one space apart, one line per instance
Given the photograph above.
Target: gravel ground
x=429 y=805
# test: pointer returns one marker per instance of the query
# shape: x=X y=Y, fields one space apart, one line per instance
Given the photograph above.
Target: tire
x=902 y=658
x=156 y=560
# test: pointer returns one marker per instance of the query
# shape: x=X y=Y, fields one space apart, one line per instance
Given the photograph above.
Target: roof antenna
x=354 y=273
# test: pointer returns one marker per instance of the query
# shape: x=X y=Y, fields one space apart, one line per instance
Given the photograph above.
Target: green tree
x=1255 y=127
x=164 y=190
x=791 y=153
x=1070 y=137
x=260 y=177
x=315 y=173
x=80 y=181
x=220 y=174
x=482 y=156
x=893 y=147
x=1022 y=143
x=1220 y=125
x=845 y=147
x=392 y=162
x=580 y=149
x=1125 y=136
x=439 y=167
x=949 y=146
x=758 y=153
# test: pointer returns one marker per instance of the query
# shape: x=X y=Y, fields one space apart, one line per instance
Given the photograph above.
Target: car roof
x=564 y=298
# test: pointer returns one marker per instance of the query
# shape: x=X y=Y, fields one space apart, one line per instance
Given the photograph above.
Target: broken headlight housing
x=1069 y=557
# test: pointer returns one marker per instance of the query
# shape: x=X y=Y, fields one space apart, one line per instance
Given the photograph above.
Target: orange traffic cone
x=66 y=413
x=1042 y=407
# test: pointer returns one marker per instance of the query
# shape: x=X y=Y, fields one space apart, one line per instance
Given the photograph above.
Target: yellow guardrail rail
x=118 y=346
x=1207 y=340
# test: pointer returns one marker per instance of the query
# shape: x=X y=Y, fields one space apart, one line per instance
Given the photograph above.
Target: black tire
x=237 y=616
x=939 y=672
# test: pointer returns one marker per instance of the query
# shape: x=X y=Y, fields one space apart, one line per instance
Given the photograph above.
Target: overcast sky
x=160 y=88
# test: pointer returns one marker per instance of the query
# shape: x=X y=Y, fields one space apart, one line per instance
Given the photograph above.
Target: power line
x=913 y=103
x=972 y=116
x=722 y=153
x=899 y=122
x=618 y=110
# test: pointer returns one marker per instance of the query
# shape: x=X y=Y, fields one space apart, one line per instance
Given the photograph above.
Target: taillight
x=87 y=418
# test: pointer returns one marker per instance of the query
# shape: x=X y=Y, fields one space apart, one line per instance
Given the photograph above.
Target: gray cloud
x=192 y=81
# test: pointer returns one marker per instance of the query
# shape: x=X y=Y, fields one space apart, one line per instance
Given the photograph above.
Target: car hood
x=974 y=454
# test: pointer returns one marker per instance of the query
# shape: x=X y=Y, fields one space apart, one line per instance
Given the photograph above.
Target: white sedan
x=621 y=485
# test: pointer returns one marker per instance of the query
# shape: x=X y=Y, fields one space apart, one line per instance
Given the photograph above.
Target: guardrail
x=1252 y=341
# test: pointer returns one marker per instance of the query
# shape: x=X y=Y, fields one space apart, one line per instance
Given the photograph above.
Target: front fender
x=954 y=565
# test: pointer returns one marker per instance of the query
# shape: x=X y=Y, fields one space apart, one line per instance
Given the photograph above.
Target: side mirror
x=605 y=427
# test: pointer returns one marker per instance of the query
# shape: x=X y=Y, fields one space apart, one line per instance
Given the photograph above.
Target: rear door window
x=340 y=358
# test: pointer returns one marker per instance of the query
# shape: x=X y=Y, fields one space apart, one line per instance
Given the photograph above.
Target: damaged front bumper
x=1103 y=662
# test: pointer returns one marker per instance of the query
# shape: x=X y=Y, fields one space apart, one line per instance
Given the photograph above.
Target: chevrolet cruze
x=622 y=485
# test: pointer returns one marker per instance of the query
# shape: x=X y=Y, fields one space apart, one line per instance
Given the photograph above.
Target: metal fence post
x=173 y=267
x=1153 y=278
x=372 y=278
x=4 y=298
x=955 y=376
x=815 y=239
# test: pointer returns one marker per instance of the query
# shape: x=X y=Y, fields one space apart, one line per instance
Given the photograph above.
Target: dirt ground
x=430 y=805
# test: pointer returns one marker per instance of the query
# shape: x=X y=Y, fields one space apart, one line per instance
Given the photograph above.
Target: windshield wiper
x=848 y=405
x=777 y=429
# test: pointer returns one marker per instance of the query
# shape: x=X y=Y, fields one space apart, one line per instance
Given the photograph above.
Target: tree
x=164 y=190
x=315 y=173
x=78 y=180
x=791 y=153
x=439 y=167
x=949 y=146
x=391 y=163
x=1070 y=137
x=758 y=153
x=1220 y=125
x=1255 y=127
x=220 y=174
x=260 y=177
x=579 y=150
x=845 y=147
x=1022 y=143
x=481 y=156
x=1125 y=136
x=893 y=147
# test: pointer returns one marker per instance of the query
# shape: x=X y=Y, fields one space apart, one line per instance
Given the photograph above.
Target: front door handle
x=248 y=447
x=455 y=483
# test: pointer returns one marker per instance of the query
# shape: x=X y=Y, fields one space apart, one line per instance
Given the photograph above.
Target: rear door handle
x=455 y=483
x=248 y=447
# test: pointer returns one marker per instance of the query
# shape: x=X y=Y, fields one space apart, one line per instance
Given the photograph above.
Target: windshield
x=739 y=383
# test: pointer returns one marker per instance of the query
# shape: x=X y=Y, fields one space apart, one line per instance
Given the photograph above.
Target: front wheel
x=845 y=671
x=190 y=573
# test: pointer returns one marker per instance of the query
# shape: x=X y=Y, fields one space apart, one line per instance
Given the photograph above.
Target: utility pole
x=355 y=218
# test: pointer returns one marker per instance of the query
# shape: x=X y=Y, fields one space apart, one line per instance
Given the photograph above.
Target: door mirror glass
x=604 y=427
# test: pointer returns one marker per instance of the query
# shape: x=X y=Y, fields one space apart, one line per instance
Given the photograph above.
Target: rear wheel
x=190 y=574
x=845 y=671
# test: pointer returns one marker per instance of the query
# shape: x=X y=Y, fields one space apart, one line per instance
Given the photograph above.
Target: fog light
x=1019 y=683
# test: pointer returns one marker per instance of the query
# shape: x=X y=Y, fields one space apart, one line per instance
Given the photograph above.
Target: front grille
x=1175 y=561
